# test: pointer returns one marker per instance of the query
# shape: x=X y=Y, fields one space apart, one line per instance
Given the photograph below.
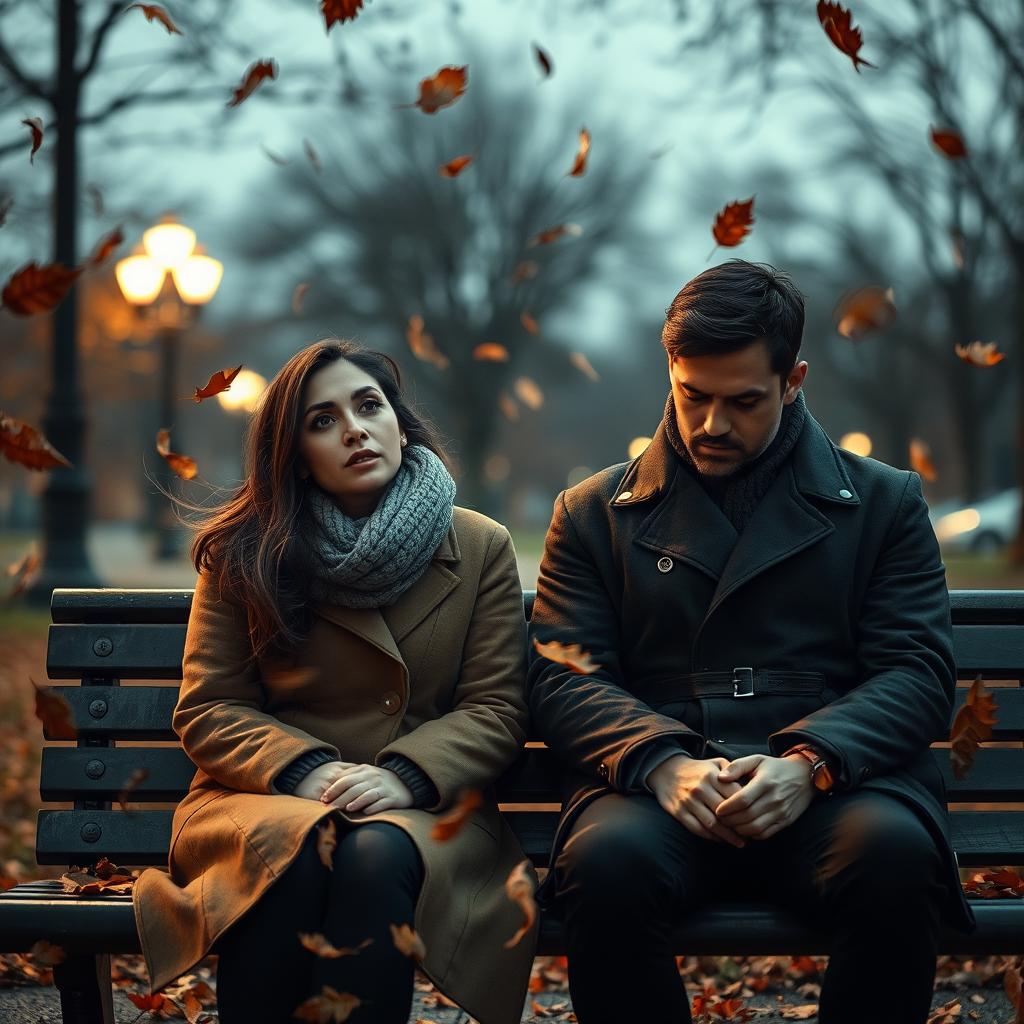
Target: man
x=770 y=623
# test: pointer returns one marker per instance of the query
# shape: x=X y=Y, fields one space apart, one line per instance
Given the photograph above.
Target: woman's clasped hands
x=355 y=787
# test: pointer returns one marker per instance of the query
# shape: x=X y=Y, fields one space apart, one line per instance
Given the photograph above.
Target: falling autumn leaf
x=921 y=460
x=326 y=841
x=253 y=77
x=317 y=943
x=508 y=407
x=407 y=942
x=337 y=11
x=864 y=311
x=440 y=90
x=572 y=656
x=732 y=224
x=972 y=724
x=528 y=392
x=55 y=713
x=298 y=294
x=35 y=126
x=34 y=289
x=330 y=1007
x=43 y=952
x=24 y=572
x=279 y=160
x=837 y=23
x=106 y=245
x=519 y=889
x=154 y=12
x=181 y=465
x=491 y=351
x=525 y=271
x=24 y=445
x=582 y=363
x=150 y=1003
x=949 y=143
x=454 y=167
x=138 y=776
x=449 y=825
x=979 y=353
x=220 y=381
x=422 y=344
x=543 y=60
x=311 y=156
x=580 y=164
x=529 y=322
x=549 y=235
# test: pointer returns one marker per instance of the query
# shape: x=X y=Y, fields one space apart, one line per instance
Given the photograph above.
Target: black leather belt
x=745 y=681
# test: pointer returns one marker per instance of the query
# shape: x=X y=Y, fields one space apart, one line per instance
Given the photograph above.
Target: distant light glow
x=962 y=521
x=856 y=442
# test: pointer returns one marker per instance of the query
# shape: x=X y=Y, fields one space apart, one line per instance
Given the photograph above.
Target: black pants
x=862 y=864
x=264 y=972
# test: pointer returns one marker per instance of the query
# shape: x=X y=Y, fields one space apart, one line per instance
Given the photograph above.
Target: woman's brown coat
x=438 y=677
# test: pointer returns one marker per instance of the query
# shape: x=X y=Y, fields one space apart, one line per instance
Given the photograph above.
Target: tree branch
x=99 y=38
x=28 y=84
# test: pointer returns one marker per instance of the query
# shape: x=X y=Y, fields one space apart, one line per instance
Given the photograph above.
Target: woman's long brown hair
x=245 y=543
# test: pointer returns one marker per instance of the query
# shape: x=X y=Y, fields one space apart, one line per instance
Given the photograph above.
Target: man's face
x=731 y=401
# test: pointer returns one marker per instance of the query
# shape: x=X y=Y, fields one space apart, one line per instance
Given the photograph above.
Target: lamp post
x=168 y=283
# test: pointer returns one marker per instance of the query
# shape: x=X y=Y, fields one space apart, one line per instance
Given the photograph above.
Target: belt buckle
x=747 y=679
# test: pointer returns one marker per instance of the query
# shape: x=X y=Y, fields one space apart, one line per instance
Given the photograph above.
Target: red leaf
x=24 y=445
x=580 y=164
x=106 y=246
x=220 y=381
x=336 y=11
x=35 y=125
x=836 y=21
x=948 y=143
x=543 y=60
x=154 y=12
x=34 y=289
x=454 y=167
x=253 y=77
x=732 y=224
x=440 y=90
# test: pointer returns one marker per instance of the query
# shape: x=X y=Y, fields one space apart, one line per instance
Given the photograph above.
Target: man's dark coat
x=838 y=572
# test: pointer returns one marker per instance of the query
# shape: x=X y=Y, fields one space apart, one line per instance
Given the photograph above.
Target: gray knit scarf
x=368 y=562
x=738 y=494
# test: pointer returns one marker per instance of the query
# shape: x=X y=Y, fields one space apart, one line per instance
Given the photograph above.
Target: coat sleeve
x=218 y=716
x=905 y=660
x=475 y=742
x=591 y=721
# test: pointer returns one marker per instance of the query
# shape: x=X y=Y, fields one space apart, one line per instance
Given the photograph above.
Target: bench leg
x=86 y=995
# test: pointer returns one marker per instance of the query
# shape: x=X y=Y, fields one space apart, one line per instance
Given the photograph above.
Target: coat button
x=665 y=564
x=390 y=702
x=625 y=496
x=844 y=493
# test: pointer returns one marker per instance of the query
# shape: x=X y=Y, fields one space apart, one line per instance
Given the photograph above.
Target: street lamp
x=169 y=283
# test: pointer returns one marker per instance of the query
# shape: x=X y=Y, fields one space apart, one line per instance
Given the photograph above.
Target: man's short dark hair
x=729 y=307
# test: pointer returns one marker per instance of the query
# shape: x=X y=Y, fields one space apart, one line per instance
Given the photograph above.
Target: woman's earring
x=404 y=440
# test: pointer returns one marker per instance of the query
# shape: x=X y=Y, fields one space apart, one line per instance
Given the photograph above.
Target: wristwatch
x=821 y=775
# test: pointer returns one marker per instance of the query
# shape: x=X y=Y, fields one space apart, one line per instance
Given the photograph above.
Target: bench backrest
x=103 y=637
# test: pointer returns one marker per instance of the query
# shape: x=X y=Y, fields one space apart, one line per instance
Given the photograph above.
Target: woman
x=356 y=651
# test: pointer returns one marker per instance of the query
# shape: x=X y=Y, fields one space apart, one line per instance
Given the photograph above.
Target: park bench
x=102 y=637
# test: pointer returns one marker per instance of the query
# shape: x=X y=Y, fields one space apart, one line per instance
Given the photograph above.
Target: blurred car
x=984 y=528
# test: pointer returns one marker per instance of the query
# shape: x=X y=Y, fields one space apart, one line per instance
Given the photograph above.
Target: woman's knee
x=378 y=855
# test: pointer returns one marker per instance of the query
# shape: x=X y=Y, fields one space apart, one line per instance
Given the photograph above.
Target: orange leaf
x=182 y=465
x=422 y=344
x=508 y=407
x=154 y=1002
x=24 y=571
x=35 y=126
x=582 y=363
x=154 y=12
x=441 y=90
x=580 y=164
x=528 y=392
x=451 y=824
x=46 y=953
x=733 y=222
x=24 y=445
x=519 y=889
x=407 y=942
x=921 y=460
x=979 y=354
x=34 y=289
x=330 y=1007
x=529 y=323
x=253 y=77
x=864 y=311
x=837 y=23
x=524 y=271
x=572 y=656
x=543 y=60
x=326 y=842
x=136 y=777
x=549 y=235
x=55 y=714
x=220 y=381
x=106 y=246
x=298 y=294
x=454 y=166
x=949 y=143
x=491 y=351
x=972 y=724
x=335 y=11
x=311 y=155
x=317 y=943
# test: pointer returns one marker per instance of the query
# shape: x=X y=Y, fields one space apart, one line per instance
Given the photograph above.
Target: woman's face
x=344 y=412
